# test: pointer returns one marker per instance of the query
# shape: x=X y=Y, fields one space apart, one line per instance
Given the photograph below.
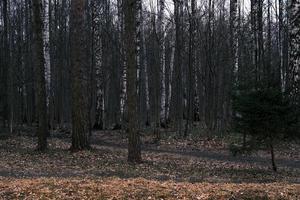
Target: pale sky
x=170 y=7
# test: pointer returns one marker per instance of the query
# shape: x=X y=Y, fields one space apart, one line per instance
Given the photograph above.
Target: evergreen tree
x=265 y=115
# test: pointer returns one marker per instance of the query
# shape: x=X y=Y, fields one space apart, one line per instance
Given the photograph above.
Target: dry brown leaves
x=168 y=172
x=115 y=188
x=167 y=162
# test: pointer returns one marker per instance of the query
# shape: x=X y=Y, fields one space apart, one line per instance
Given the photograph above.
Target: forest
x=150 y=99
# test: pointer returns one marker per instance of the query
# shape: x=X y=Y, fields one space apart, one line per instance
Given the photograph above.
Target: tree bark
x=177 y=92
x=282 y=71
x=42 y=131
x=134 y=148
x=161 y=33
x=6 y=65
x=294 y=55
x=274 y=167
x=191 y=68
x=79 y=83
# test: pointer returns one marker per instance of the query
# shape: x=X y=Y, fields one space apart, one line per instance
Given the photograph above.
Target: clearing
x=174 y=169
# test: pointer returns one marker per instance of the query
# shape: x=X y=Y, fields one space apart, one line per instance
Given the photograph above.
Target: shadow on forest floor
x=179 y=161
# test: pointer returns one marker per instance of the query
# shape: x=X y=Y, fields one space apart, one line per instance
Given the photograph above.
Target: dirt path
x=223 y=155
x=176 y=161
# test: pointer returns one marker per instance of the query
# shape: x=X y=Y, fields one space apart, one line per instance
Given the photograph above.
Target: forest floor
x=201 y=168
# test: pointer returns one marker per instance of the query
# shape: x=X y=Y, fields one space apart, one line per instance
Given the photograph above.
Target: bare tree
x=40 y=76
x=162 y=60
x=294 y=41
x=134 y=148
x=5 y=64
x=177 y=90
x=80 y=136
x=191 y=66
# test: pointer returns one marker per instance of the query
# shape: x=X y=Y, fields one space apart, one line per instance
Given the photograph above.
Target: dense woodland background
x=150 y=99
x=132 y=64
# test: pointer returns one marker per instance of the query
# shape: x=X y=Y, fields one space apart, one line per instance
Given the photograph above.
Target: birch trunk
x=161 y=33
x=294 y=41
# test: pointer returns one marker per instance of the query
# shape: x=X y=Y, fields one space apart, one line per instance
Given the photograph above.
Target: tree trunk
x=282 y=71
x=191 y=68
x=273 y=157
x=294 y=41
x=233 y=37
x=79 y=73
x=134 y=148
x=6 y=65
x=161 y=33
x=177 y=93
x=42 y=131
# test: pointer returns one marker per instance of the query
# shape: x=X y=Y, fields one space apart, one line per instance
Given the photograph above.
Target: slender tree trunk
x=46 y=43
x=143 y=84
x=170 y=84
x=161 y=33
x=294 y=42
x=191 y=70
x=268 y=72
x=91 y=58
x=123 y=96
x=273 y=157
x=210 y=71
x=282 y=72
x=6 y=65
x=134 y=148
x=254 y=31
x=233 y=37
x=234 y=57
x=177 y=93
x=155 y=75
x=40 y=76
x=80 y=136
x=261 y=50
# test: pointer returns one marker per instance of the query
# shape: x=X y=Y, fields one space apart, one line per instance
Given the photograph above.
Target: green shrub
x=265 y=116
